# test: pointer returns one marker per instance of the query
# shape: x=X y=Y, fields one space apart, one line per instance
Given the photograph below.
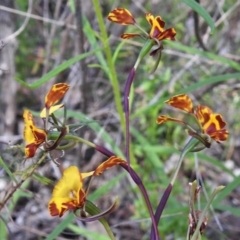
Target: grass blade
x=201 y=11
x=56 y=70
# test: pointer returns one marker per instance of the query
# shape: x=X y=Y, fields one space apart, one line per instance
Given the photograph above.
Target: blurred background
x=37 y=36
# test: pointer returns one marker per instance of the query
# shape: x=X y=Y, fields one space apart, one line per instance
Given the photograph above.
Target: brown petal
x=112 y=161
x=168 y=34
x=121 y=16
x=162 y=119
x=181 y=101
x=129 y=35
x=55 y=94
x=220 y=135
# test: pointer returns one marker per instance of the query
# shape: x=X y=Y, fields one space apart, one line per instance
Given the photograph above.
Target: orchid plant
x=70 y=193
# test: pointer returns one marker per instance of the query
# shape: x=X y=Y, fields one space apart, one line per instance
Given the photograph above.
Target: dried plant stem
x=80 y=50
x=204 y=212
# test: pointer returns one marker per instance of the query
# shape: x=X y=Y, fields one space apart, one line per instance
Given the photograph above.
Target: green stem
x=55 y=135
x=93 y=210
x=193 y=142
x=67 y=146
x=145 y=33
x=110 y=62
x=144 y=51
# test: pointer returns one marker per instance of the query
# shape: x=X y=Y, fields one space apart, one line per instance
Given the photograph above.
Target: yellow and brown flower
x=211 y=124
x=68 y=193
x=124 y=17
x=35 y=136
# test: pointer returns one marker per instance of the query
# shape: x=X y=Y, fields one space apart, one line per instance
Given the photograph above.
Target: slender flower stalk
x=188 y=148
x=192 y=143
x=154 y=37
x=161 y=206
x=145 y=50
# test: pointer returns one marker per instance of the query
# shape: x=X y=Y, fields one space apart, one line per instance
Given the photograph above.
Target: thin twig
x=16 y=33
x=43 y=19
x=50 y=38
x=80 y=50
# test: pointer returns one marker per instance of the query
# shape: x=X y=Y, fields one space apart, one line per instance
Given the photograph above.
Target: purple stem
x=161 y=206
x=135 y=177
x=127 y=148
x=138 y=181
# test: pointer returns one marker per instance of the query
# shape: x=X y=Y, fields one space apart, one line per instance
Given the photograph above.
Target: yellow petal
x=157 y=25
x=157 y=21
x=88 y=174
x=32 y=134
x=28 y=121
x=51 y=110
x=71 y=181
